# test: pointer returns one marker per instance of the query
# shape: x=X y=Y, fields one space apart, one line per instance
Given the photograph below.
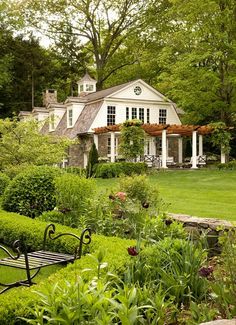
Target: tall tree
x=102 y=26
x=199 y=58
x=21 y=143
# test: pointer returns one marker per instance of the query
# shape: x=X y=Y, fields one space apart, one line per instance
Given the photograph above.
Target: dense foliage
x=132 y=139
x=110 y=170
x=92 y=160
x=31 y=192
x=21 y=143
x=4 y=181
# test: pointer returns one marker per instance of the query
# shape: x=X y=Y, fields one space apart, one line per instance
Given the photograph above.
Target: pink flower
x=121 y=196
x=132 y=251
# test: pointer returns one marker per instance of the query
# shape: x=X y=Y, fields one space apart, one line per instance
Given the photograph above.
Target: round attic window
x=137 y=90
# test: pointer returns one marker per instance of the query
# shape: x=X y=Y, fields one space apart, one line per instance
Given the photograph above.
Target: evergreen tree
x=92 y=161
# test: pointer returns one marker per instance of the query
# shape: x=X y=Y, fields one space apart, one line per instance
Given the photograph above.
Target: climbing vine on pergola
x=132 y=139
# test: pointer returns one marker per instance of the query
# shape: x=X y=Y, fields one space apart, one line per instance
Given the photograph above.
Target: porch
x=163 y=145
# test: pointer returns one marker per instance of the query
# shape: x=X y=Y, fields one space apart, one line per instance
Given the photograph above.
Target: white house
x=95 y=116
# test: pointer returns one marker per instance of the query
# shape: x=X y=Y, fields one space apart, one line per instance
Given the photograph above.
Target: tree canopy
x=21 y=143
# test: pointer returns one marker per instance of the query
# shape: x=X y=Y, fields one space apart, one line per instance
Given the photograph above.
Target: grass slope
x=203 y=193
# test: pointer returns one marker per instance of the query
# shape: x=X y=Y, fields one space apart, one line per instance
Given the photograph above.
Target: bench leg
x=27 y=282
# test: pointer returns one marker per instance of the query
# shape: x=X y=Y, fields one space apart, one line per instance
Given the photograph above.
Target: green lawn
x=203 y=193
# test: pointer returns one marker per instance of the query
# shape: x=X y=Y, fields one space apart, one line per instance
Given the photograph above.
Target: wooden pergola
x=163 y=130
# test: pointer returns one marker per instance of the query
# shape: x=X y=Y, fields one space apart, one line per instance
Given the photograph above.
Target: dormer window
x=89 y=87
x=86 y=85
x=70 y=118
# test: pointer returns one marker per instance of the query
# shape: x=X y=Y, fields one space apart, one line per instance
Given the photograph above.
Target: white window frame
x=111 y=115
x=134 y=113
x=162 y=116
x=89 y=87
x=70 y=118
x=148 y=115
x=141 y=114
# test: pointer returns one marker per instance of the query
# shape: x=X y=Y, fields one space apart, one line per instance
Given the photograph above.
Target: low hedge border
x=117 y=169
x=14 y=303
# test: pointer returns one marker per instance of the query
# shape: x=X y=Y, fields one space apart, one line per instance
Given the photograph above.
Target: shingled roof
x=83 y=123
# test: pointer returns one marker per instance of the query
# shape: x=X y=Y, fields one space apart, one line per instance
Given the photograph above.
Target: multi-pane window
x=141 y=114
x=81 y=88
x=148 y=115
x=70 y=117
x=134 y=113
x=111 y=115
x=158 y=146
x=162 y=116
x=89 y=87
x=109 y=146
x=127 y=113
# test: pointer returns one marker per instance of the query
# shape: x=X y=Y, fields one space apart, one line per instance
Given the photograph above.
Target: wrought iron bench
x=32 y=262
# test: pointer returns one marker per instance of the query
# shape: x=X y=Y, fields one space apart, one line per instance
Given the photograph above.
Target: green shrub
x=138 y=188
x=73 y=195
x=75 y=170
x=176 y=264
x=110 y=170
x=4 y=181
x=92 y=161
x=31 y=192
x=53 y=216
x=13 y=170
x=15 y=303
x=228 y=166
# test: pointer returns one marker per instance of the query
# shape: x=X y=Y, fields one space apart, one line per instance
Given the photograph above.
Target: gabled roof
x=106 y=92
x=83 y=123
x=87 y=77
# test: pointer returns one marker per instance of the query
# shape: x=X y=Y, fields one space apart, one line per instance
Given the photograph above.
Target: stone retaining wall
x=211 y=227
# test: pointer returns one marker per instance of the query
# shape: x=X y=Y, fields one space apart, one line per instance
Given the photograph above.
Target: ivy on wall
x=132 y=139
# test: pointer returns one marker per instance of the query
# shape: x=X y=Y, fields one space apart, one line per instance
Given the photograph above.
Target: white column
x=164 y=151
x=194 y=150
x=200 y=145
x=85 y=159
x=180 y=150
x=95 y=140
x=112 y=146
x=222 y=155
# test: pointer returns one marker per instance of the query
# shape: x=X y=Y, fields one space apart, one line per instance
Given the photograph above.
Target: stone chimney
x=49 y=96
x=86 y=85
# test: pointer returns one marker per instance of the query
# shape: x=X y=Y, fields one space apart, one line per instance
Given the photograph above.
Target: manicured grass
x=203 y=193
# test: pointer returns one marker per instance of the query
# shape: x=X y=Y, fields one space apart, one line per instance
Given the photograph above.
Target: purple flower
x=168 y=222
x=132 y=251
x=205 y=271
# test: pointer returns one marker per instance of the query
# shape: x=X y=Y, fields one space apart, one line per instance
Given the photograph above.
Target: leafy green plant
x=31 y=192
x=92 y=161
x=224 y=286
x=110 y=170
x=176 y=264
x=139 y=189
x=73 y=194
x=4 y=181
x=132 y=139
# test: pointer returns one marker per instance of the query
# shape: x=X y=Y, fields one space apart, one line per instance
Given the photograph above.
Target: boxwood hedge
x=15 y=302
x=110 y=170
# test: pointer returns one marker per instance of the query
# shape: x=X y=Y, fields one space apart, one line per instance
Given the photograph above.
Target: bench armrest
x=84 y=239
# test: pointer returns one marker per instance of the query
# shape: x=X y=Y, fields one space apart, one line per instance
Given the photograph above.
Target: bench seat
x=37 y=260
